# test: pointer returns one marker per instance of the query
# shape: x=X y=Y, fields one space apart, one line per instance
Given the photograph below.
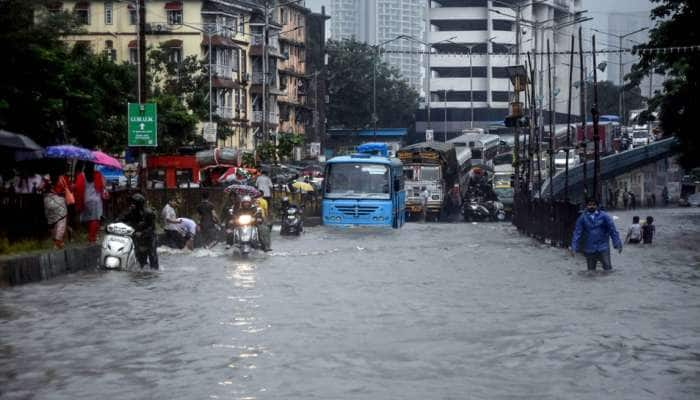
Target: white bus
x=484 y=147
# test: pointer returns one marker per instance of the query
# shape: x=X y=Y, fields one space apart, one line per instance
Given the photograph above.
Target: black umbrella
x=17 y=142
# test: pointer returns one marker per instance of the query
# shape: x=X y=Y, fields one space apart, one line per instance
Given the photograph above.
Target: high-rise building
x=379 y=22
x=474 y=41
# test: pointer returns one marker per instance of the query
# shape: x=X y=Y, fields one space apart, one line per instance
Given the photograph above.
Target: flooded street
x=433 y=311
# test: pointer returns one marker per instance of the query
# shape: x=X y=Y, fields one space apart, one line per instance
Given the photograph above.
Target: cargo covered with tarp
x=219 y=156
x=431 y=153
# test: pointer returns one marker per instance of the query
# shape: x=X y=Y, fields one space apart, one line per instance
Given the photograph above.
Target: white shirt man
x=170 y=218
x=264 y=184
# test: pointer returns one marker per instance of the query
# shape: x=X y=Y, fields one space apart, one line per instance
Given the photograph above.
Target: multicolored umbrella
x=243 y=190
x=103 y=159
x=69 y=152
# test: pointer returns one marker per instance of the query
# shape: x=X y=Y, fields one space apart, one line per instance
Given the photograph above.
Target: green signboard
x=143 y=125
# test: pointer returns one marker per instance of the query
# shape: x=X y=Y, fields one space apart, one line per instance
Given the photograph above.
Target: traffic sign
x=143 y=125
x=429 y=135
x=210 y=132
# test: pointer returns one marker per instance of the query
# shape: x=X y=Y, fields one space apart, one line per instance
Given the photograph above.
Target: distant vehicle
x=434 y=166
x=560 y=159
x=502 y=186
x=607 y=132
x=484 y=147
x=364 y=190
x=640 y=136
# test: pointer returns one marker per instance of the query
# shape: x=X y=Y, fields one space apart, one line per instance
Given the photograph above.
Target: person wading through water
x=597 y=228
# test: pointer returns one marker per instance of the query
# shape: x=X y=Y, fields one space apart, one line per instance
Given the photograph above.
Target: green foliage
x=609 y=95
x=676 y=25
x=266 y=152
x=286 y=144
x=350 y=87
x=52 y=92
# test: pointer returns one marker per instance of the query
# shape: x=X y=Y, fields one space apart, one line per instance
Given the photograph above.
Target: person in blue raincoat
x=596 y=228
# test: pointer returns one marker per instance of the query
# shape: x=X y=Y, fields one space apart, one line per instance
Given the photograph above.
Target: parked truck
x=435 y=167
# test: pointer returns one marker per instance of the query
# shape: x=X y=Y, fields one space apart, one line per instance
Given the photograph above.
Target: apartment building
x=184 y=28
x=294 y=110
x=475 y=90
x=379 y=22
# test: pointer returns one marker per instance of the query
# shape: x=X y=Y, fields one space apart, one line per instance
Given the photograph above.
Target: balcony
x=272 y=117
x=223 y=71
x=225 y=112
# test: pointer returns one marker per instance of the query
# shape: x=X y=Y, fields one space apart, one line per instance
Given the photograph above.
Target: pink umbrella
x=103 y=159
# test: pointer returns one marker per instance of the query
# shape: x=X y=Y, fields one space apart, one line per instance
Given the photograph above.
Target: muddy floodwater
x=433 y=311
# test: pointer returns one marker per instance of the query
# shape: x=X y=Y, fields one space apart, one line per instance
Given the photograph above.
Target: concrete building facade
x=475 y=90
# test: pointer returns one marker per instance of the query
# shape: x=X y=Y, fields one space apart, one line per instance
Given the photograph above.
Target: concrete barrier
x=20 y=269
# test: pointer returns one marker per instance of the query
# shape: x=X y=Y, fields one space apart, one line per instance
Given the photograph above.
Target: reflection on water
x=427 y=312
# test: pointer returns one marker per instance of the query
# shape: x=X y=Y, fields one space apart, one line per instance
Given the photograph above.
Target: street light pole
x=621 y=97
x=471 y=88
x=210 y=66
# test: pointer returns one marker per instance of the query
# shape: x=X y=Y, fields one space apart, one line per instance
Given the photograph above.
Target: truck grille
x=357 y=211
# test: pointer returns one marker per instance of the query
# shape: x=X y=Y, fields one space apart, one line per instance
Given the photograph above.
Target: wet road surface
x=433 y=311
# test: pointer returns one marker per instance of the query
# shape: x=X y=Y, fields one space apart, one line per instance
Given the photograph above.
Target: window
x=174 y=17
x=109 y=13
x=133 y=56
x=110 y=51
x=175 y=55
x=133 y=17
x=54 y=7
x=174 y=11
x=82 y=13
x=502 y=25
x=283 y=16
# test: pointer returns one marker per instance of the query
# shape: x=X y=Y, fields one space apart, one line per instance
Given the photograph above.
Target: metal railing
x=224 y=112
x=223 y=70
x=551 y=222
x=272 y=117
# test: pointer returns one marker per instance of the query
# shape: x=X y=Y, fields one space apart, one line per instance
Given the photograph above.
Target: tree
x=54 y=93
x=609 y=95
x=677 y=104
x=350 y=71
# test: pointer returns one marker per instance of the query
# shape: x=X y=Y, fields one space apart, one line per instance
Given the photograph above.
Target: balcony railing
x=223 y=71
x=273 y=43
x=224 y=112
x=258 y=79
x=272 y=117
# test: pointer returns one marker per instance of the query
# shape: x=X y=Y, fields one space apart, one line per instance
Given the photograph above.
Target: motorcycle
x=474 y=211
x=491 y=210
x=118 y=247
x=292 y=221
x=243 y=231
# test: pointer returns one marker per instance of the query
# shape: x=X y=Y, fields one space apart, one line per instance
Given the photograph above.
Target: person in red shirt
x=89 y=194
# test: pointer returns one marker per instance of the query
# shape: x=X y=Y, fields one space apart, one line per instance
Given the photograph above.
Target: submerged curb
x=21 y=269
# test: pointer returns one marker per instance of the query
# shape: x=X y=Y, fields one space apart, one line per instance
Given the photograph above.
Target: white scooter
x=118 y=247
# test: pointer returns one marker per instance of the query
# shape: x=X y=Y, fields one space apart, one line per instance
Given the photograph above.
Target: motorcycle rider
x=247 y=207
x=143 y=219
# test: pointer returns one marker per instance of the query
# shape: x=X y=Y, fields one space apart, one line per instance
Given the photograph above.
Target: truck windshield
x=357 y=181
x=430 y=173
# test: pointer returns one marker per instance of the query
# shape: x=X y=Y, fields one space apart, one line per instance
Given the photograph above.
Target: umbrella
x=243 y=190
x=103 y=159
x=303 y=186
x=69 y=152
x=16 y=141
